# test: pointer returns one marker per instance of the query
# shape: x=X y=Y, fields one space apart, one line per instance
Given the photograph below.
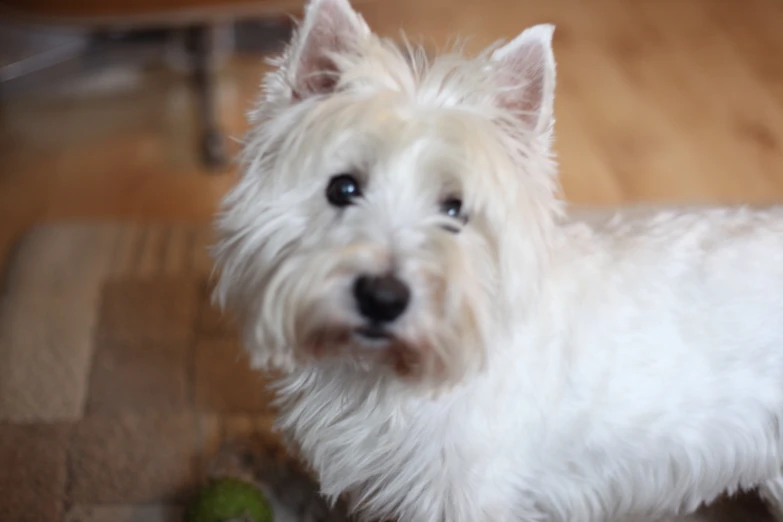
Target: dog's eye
x=342 y=190
x=452 y=207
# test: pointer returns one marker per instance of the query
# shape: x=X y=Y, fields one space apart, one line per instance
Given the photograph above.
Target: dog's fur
x=546 y=369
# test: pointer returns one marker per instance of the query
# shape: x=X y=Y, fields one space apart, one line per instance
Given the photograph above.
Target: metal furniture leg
x=201 y=40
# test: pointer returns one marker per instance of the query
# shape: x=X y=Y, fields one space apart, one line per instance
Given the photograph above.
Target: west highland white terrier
x=453 y=344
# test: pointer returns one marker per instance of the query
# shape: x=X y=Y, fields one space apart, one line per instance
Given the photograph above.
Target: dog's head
x=395 y=211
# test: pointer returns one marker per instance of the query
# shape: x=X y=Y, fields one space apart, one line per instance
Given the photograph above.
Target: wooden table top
x=148 y=12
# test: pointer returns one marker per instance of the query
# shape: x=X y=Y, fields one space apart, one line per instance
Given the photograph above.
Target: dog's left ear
x=526 y=67
x=330 y=28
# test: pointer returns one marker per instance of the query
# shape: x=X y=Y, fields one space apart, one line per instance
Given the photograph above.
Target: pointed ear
x=526 y=66
x=329 y=27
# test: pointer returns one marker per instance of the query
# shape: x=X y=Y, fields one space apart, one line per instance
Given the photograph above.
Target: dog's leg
x=772 y=493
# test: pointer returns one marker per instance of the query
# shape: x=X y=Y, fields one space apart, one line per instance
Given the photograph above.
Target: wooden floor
x=658 y=100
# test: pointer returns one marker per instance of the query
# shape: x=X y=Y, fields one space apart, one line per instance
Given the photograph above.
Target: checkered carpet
x=121 y=388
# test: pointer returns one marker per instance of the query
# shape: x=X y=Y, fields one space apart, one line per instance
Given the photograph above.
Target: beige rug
x=120 y=386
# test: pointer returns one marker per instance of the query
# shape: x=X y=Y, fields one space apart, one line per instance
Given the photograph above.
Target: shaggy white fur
x=543 y=368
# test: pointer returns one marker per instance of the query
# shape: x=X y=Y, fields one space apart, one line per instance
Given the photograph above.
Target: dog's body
x=649 y=380
x=459 y=348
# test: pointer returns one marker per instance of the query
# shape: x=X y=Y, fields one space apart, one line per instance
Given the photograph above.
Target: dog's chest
x=408 y=458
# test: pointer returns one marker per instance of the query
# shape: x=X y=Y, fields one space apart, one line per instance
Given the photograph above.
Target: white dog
x=454 y=345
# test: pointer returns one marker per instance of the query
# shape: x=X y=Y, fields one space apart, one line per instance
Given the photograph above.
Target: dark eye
x=452 y=207
x=342 y=190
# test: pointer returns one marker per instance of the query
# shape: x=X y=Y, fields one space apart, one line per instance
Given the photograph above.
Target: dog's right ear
x=330 y=28
x=526 y=75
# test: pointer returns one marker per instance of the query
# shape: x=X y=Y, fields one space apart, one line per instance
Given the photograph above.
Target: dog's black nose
x=381 y=298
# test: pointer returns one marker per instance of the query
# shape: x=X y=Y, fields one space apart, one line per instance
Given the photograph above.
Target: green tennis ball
x=229 y=500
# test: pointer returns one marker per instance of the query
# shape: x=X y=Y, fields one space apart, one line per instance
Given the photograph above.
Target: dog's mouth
x=373 y=332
